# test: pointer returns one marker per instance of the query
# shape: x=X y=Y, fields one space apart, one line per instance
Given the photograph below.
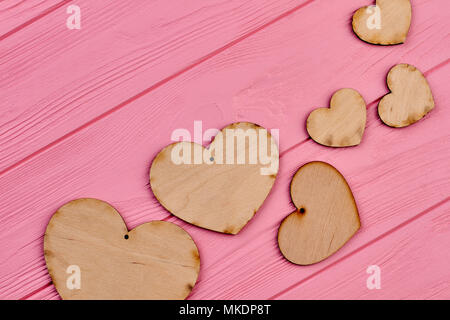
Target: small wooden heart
x=410 y=98
x=90 y=254
x=219 y=188
x=386 y=23
x=341 y=125
x=326 y=216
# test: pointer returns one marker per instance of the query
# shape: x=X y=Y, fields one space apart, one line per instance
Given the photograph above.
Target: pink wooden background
x=83 y=112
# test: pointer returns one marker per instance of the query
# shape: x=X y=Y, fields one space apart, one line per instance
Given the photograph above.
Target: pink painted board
x=123 y=50
x=16 y=15
x=425 y=187
x=261 y=77
x=412 y=261
x=83 y=83
x=392 y=179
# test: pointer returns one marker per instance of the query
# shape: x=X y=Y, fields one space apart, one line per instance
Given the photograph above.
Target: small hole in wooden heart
x=161 y=262
x=217 y=195
x=332 y=218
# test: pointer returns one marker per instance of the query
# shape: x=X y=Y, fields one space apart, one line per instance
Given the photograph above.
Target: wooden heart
x=410 y=98
x=90 y=254
x=387 y=23
x=326 y=216
x=214 y=188
x=341 y=125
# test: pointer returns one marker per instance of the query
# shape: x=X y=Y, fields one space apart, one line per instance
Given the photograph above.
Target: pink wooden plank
x=54 y=80
x=413 y=263
x=248 y=265
x=97 y=160
x=394 y=175
x=46 y=293
x=39 y=117
x=18 y=14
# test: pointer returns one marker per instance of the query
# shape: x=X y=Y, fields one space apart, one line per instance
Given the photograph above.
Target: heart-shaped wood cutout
x=219 y=188
x=90 y=254
x=386 y=23
x=326 y=216
x=410 y=98
x=341 y=125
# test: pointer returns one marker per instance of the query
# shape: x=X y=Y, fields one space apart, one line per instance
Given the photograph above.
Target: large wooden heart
x=219 y=188
x=341 y=125
x=326 y=216
x=410 y=98
x=90 y=254
x=387 y=23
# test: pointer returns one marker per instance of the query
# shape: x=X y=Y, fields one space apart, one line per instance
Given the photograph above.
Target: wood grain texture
x=326 y=216
x=394 y=22
x=87 y=238
x=123 y=51
x=410 y=99
x=16 y=15
x=426 y=182
x=274 y=77
x=390 y=182
x=221 y=187
x=28 y=126
x=341 y=125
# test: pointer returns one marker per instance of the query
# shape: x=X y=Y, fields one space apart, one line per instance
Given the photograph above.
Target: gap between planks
x=29 y=125
x=295 y=285
x=154 y=86
x=292 y=148
x=159 y=84
x=369 y=105
x=33 y=20
x=368 y=244
x=371 y=242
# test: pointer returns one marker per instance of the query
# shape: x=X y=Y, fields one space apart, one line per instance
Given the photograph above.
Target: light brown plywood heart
x=387 y=23
x=410 y=98
x=341 y=125
x=219 y=188
x=90 y=254
x=326 y=216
